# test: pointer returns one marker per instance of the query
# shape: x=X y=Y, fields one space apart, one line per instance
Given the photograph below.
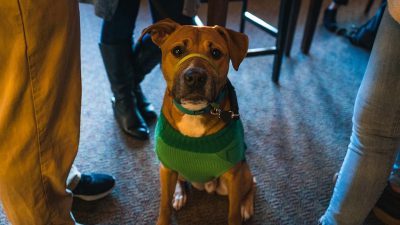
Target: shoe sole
x=89 y=198
x=385 y=218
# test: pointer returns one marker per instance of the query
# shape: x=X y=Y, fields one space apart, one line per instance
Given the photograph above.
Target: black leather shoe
x=329 y=19
x=93 y=186
x=129 y=118
x=145 y=108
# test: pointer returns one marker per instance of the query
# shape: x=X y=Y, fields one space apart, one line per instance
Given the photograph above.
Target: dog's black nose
x=195 y=78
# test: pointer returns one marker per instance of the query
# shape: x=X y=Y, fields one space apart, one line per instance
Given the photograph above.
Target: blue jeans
x=119 y=30
x=375 y=138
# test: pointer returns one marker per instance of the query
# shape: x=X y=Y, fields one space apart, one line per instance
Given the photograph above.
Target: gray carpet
x=296 y=132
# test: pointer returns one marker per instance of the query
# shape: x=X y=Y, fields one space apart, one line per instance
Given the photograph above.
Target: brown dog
x=199 y=137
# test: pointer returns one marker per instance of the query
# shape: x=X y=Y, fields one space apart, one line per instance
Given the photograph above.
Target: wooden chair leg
x=284 y=12
x=311 y=24
x=294 y=15
x=217 y=13
x=242 y=18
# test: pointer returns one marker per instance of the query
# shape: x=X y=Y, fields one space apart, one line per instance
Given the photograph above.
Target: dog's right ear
x=160 y=31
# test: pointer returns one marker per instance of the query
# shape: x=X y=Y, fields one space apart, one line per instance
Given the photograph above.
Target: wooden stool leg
x=311 y=23
x=217 y=12
x=294 y=15
x=284 y=12
x=242 y=18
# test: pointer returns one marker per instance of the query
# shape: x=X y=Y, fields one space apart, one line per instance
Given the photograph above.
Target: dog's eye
x=215 y=53
x=178 y=51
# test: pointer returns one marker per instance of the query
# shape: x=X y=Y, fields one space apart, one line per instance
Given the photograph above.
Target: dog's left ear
x=238 y=43
x=160 y=31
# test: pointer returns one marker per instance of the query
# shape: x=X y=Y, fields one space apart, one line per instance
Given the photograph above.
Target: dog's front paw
x=247 y=207
x=180 y=196
x=247 y=210
x=179 y=201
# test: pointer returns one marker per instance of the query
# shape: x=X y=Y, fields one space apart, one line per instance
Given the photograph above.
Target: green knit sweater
x=199 y=159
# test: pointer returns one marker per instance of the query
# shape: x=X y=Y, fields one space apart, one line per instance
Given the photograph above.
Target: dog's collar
x=208 y=108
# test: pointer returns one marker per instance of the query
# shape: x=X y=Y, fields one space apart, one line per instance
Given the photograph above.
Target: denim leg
x=119 y=29
x=341 y=2
x=146 y=54
x=161 y=9
x=375 y=135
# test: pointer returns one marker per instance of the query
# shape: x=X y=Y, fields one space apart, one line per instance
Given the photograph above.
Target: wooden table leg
x=311 y=23
x=217 y=12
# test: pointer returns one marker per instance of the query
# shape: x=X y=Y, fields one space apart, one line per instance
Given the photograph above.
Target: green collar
x=207 y=109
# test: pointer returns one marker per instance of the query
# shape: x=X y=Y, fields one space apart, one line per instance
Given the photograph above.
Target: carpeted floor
x=296 y=132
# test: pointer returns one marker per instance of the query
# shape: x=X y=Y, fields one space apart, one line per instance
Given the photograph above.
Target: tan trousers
x=40 y=99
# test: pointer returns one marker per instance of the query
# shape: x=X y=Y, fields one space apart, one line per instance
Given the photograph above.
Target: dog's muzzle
x=195 y=82
x=195 y=77
x=193 y=55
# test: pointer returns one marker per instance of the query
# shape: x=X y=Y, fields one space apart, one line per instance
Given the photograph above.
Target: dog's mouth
x=194 y=104
x=192 y=98
x=197 y=95
x=182 y=93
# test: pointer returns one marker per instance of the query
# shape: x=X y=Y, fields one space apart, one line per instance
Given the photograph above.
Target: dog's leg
x=241 y=189
x=168 y=179
x=234 y=181
x=247 y=206
x=180 y=195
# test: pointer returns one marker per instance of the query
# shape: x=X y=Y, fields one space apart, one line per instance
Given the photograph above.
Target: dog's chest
x=191 y=125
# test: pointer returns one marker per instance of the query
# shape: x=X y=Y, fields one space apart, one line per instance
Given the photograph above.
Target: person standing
x=40 y=102
x=363 y=183
x=127 y=62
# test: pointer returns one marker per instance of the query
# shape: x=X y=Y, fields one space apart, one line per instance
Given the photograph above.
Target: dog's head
x=195 y=60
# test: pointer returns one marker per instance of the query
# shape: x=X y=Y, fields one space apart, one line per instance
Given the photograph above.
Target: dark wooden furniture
x=217 y=12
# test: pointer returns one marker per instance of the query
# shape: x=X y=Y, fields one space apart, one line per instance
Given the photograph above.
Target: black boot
x=117 y=61
x=146 y=109
x=146 y=55
x=329 y=19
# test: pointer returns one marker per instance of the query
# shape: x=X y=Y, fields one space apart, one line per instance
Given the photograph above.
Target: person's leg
x=329 y=19
x=340 y=2
x=40 y=100
x=146 y=55
x=119 y=29
x=116 y=49
x=376 y=133
x=162 y=9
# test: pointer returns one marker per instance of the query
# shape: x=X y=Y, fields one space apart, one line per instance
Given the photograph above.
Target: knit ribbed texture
x=199 y=159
